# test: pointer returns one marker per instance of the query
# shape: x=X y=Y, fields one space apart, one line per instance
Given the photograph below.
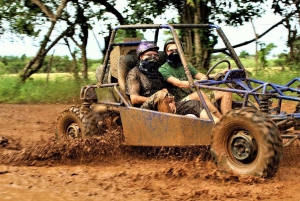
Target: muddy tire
x=246 y=142
x=79 y=122
x=69 y=124
x=75 y=122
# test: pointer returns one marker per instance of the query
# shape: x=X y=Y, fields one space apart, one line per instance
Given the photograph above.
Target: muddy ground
x=34 y=166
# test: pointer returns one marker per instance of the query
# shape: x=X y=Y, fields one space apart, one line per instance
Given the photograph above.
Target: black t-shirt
x=138 y=83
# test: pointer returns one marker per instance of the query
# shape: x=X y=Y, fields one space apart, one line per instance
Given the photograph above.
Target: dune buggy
x=248 y=140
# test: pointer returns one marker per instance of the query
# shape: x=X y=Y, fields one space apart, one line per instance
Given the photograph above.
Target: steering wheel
x=221 y=75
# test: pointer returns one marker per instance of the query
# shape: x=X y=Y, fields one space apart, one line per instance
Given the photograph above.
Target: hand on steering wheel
x=220 y=75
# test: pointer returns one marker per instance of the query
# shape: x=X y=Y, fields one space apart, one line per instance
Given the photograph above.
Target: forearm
x=137 y=99
x=201 y=76
x=178 y=83
x=183 y=84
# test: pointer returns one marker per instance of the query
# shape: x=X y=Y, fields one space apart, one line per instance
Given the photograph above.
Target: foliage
x=121 y=34
x=199 y=42
x=264 y=52
x=231 y=12
x=13 y=91
x=66 y=89
x=21 y=16
x=28 y=17
x=12 y=64
x=276 y=76
x=244 y=54
x=60 y=64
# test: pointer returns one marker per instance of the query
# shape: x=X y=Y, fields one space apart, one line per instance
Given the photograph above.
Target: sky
x=235 y=35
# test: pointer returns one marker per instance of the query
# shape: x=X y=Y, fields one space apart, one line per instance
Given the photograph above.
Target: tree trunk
x=198 y=48
x=292 y=34
x=74 y=61
x=49 y=68
x=36 y=63
x=256 y=44
x=33 y=66
x=84 y=38
x=84 y=63
x=197 y=37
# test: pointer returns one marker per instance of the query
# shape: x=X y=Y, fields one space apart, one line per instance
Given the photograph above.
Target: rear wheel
x=79 y=122
x=69 y=124
x=247 y=142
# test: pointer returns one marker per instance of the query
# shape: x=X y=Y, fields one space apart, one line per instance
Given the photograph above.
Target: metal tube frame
x=244 y=84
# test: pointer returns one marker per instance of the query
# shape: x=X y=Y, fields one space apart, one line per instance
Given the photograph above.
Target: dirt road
x=130 y=175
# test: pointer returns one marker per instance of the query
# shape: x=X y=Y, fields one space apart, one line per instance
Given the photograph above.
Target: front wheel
x=247 y=142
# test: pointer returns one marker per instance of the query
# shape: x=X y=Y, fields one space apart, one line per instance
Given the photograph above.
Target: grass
x=62 y=88
x=38 y=91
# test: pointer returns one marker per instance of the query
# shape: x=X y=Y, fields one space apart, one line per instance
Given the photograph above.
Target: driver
x=173 y=73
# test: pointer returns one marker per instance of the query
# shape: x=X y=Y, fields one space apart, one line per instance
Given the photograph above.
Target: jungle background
x=35 y=166
x=71 y=23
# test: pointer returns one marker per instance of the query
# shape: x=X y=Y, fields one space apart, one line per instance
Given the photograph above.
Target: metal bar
x=157 y=26
x=121 y=96
x=204 y=105
x=108 y=85
x=291 y=141
x=282 y=88
x=139 y=26
x=181 y=54
x=109 y=103
x=126 y=43
x=289 y=136
x=156 y=36
x=292 y=81
x=105 y=62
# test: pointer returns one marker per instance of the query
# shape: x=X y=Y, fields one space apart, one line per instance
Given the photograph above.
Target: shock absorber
x=265 y=104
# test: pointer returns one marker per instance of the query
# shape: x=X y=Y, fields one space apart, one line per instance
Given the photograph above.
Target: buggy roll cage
x=172 y=28
x=237 y=80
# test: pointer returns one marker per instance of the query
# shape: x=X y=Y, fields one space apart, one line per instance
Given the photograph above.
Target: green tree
x=218 y=56
x=13 y=64
x=26 y=16
x=200 y=45
x=244 y=54
x=265 y=51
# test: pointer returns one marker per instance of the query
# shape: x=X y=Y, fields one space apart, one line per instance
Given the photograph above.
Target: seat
x=123 y=59
x=126 y=63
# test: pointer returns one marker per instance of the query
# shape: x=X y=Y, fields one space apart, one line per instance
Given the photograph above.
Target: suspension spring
x=265 y=104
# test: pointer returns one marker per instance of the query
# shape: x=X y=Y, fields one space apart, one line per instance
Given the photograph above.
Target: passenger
x=177 y=83
x=146 y=88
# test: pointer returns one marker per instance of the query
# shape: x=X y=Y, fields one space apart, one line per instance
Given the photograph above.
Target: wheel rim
x=243 y=147
x=73 y=130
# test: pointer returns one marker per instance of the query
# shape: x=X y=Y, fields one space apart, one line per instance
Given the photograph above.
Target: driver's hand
x=204 y=77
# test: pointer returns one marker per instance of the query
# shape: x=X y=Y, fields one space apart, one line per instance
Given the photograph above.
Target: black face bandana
x=149 y=67
x=174 y=59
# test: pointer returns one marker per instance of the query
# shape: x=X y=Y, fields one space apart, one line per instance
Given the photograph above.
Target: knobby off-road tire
x=246 y=142
x=80 y=122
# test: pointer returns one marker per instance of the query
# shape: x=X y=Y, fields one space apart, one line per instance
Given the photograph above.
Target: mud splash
x=63 y=151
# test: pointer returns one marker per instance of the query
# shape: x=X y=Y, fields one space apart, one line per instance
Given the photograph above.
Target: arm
x=178 y=83
x=201 y=76
x=184 y=84
x=133 y=87
x=136 y=99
